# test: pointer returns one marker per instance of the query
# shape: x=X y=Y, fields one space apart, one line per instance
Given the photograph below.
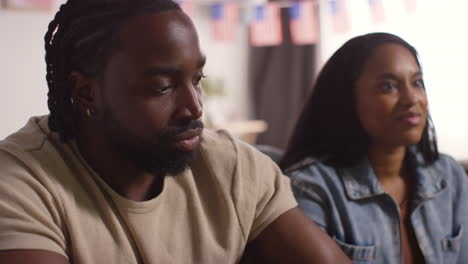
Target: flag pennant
x=265 y=29
x=339 y=16
x=188 y=6
x=224 y=21
x=377 y=12
x=45 y=5
x=303 y=23
x=411 y=6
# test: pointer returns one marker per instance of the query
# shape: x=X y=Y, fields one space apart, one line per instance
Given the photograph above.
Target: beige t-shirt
x=51 y=199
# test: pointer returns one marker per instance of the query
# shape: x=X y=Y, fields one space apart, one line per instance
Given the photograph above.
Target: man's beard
x=159 y=159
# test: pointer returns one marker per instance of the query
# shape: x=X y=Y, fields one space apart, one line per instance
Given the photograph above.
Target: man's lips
x=188 y=140
x=188 y=134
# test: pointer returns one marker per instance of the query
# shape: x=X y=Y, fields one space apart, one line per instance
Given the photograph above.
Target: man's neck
x=118 y=172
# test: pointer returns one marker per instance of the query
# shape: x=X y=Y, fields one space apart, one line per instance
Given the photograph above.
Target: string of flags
x=339 y=15
x=39 y=5
x=224 y=21
x=411 y=5
x=265 y=20
x=377 y=11
x=303 y=24
x=265 y=29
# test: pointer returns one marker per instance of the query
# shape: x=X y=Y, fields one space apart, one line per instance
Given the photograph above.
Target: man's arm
x=31 y=256
x=30 y=219
x=294 y=238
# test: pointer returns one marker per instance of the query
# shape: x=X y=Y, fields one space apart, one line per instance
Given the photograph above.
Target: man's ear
x=83 y=93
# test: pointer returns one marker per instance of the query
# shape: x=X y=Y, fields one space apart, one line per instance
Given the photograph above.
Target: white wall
x=228 y=61
x=22 y=67
x=438 y=31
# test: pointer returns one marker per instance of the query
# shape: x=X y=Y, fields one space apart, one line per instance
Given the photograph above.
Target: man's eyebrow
x=161 y=70
x=167 y=70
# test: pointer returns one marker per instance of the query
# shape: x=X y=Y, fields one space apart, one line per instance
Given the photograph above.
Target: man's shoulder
x=29 y=149
x=218 y=150
x=29 y=138
x=230 y=159
x=212 y=139
x=221 y=146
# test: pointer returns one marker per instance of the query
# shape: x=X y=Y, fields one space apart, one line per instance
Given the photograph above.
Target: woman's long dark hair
x=328 y=128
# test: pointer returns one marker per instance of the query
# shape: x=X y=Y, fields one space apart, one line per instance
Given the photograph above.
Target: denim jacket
x=353 y=208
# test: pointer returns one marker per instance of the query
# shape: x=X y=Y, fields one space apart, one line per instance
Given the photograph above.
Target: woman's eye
x=388 y=86
x=418 y=83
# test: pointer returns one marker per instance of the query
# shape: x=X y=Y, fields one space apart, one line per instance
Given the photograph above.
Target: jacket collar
x=361 y=182
x=430 y=178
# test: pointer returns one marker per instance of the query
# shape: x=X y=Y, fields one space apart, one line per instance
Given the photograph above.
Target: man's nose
x=189 y=103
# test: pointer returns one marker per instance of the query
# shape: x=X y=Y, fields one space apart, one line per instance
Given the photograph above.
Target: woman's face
x=391 y=100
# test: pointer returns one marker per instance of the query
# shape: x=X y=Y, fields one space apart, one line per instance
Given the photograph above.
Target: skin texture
x=392 y=107
x=294 y=238
x=389 y=89
x=148 y=86
x=390 y=92
x=31 y=256
x=151 y=84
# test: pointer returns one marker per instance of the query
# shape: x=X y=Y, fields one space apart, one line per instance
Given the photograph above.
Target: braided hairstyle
x=81 y=38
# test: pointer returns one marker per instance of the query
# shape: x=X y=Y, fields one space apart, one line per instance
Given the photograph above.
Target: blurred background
x=263 y=57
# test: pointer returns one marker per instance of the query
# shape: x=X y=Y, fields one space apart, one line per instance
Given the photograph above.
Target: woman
x=364 y=162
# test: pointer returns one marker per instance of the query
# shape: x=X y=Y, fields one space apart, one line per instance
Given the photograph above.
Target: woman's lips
x=412 y=119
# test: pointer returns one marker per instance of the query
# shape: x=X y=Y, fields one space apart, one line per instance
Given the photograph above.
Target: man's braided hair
x=81 y=38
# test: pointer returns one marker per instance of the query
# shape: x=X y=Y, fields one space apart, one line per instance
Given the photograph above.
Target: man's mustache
x=171 y=132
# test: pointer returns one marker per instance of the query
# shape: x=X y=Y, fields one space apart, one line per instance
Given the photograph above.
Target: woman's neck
x=392 y=172
x=387 y=162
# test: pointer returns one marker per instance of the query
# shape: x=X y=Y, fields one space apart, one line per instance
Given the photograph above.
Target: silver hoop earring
x=88 y=112
x=72 y=101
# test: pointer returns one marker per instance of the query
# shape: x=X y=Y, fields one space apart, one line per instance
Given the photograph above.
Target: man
x=121 y=171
